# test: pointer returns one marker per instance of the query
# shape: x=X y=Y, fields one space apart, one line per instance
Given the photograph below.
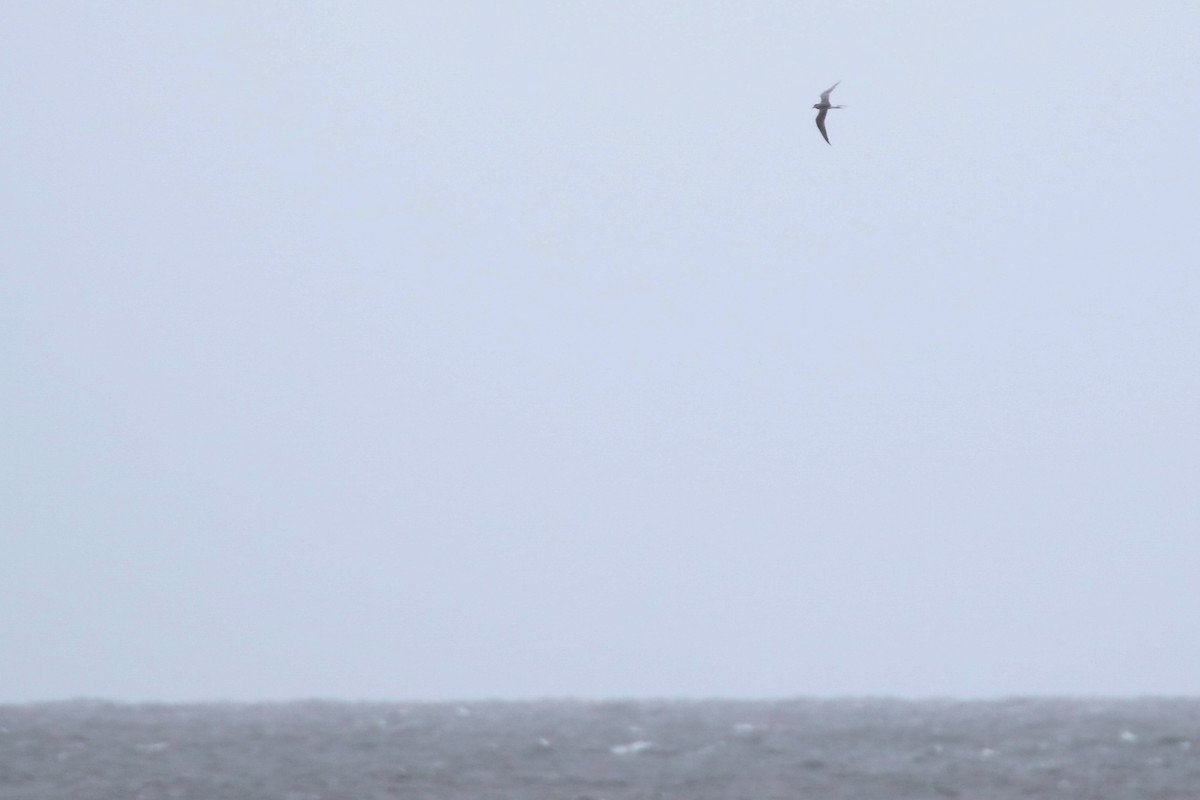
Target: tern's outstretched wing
x=821 y=124
x=825 y=94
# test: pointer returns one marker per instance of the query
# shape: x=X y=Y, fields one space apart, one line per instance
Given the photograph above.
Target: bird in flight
x=823 y=108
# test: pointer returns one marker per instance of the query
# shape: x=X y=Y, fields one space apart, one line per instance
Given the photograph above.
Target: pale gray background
x=450 y=350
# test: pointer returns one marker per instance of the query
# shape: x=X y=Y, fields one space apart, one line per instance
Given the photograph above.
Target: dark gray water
x=732 y=750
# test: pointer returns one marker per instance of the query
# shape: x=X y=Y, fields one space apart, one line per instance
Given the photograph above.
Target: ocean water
x=1075 y=749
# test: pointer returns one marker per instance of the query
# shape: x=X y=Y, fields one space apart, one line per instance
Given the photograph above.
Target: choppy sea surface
x=576 y=750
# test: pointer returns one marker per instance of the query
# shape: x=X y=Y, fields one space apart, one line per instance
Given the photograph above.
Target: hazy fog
x=415 y=351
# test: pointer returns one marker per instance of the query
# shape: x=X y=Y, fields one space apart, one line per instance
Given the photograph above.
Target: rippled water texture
x=793 y=749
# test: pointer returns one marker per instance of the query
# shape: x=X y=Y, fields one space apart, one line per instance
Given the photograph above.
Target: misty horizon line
x=615 y=700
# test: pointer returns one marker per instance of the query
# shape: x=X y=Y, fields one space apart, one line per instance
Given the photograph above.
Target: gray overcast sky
x=450 y=350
